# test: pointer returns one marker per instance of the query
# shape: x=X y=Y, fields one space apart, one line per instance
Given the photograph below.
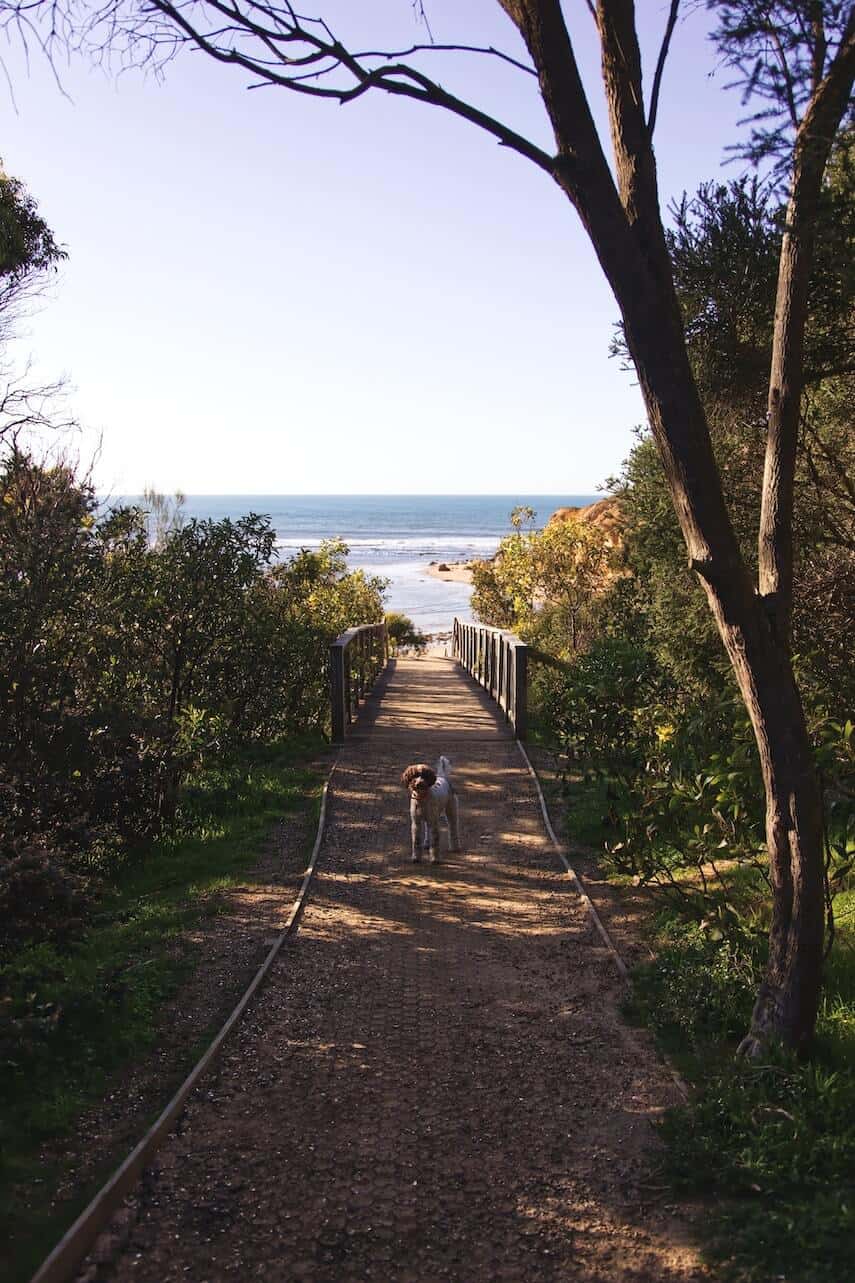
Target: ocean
x=395 y=536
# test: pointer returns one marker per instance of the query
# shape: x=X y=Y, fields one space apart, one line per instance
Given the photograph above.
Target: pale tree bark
x=621 y=215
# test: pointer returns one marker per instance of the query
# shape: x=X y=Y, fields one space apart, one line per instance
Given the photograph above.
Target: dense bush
x=402 y=633
x=546 y=585
x=39 y=897
x=649 y=706
x=661 y=766
x=125 y=662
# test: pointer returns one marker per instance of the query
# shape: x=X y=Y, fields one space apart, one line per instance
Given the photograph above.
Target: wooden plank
x=520 y=718
x=338 y=692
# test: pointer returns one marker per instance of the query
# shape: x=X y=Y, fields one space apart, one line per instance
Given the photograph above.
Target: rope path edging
x=589 y=905
x=63 y=1261
x=574 y=877
x=66 y=1257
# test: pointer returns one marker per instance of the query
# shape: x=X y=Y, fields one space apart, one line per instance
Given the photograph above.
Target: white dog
x=431 y=795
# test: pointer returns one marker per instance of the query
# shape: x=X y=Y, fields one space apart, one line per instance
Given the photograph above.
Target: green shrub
x=126 y=663
x=698 y=992
x=40 y=899
x=776 y=1145
x=402 y=632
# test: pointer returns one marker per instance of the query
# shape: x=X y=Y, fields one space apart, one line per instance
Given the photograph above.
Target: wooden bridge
x=434 y=1082
x=496 y=660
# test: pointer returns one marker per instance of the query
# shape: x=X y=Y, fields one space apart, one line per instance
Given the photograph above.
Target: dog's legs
x=417 y=832
x=453 y=813
x=433 y=831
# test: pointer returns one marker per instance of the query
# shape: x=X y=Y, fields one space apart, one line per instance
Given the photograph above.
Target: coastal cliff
x=604 y=515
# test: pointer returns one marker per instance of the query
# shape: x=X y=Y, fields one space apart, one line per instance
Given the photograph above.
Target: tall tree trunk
x=622 y=218
x=788 y=999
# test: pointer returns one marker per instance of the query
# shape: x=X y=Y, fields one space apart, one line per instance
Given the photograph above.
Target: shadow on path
x=436 y=1083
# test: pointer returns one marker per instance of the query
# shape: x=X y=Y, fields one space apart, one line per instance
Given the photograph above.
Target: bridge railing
x=499 y=662
x=356 y=658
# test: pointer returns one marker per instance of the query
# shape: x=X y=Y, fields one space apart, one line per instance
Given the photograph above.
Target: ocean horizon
x=395 y=536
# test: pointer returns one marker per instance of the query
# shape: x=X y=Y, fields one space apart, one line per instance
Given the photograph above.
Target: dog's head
x=418 y=780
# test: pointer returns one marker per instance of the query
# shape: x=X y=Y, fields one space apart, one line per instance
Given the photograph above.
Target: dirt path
x=435 y=1083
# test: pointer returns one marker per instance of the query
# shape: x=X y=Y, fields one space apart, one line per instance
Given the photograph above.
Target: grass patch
x=773 y=1146
x=71 y=1017
x=587 y=805
x=769 y=1149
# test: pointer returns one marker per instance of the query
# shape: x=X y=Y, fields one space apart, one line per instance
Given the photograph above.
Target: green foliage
x=708 y=823
x=722 y=237
x=724 y=245
x=681 y=796
x=772 y=1144
x=661 y=762
x=658 y=603
x=602 y=715
x=649 y=708
x=402 y=632
x=40 y=898
x=776 y=54
x=776 y=1145
x=26 y=242
x=545 y=584
x=698 y=992
x=75 y=1009
x=125 y=663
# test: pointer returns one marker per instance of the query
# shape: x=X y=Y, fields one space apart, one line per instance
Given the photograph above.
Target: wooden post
x=501 y=683
x=338 y=693
x=498 y=661
x=520 y=718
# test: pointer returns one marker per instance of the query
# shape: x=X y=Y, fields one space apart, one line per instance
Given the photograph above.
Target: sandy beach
x=451 y=572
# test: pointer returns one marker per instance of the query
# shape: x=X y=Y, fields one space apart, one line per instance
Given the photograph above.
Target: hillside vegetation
x=660 y=767
x=163 y=693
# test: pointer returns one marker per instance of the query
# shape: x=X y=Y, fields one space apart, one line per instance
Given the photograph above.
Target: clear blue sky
x=271 y=294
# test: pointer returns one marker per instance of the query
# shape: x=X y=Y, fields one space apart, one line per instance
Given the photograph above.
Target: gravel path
x=435 y=1083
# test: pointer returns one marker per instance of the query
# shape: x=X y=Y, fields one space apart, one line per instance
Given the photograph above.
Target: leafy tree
x=27 y=251
x=797 y=59
x=125 y=663
x=402 y=632
x=27 y=244
x=69 y=777
x=545 y=584
x=725 y=243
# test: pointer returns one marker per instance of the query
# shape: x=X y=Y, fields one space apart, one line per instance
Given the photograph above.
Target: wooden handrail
x=498 y=661
x=356 y=658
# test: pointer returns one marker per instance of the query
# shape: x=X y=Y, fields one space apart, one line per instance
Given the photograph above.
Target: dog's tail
x=443 y=767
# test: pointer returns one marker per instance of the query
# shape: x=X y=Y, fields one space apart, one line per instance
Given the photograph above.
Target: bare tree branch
x=787 y=78
x=298 y=53
x=27 y=408
x=813 y=142
x=660 y=65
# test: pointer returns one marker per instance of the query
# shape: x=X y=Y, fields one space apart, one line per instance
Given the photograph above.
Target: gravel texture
x=435 y=1082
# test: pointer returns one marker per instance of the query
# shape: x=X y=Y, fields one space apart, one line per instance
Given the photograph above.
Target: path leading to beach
x=435 y=1083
